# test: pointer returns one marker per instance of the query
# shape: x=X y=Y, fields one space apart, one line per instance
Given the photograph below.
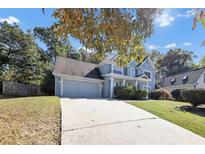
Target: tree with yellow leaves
x=108 y=30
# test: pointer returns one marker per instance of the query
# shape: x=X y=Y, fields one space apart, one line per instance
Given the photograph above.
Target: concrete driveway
x=90 y=121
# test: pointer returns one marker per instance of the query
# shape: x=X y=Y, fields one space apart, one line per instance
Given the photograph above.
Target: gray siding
x=57 y=86
x=133 y=63
x=147 y=66
x=105 y=69
x=106 y=88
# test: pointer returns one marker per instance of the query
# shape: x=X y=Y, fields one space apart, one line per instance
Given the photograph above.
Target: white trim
x=56 y=85
x=123 y=82
x=118 y=76
x=136 y=83
x=113 y=58
x=61 y=86
x=145 y=76
x=78 y=78
x=100 y=86
x=147 y=89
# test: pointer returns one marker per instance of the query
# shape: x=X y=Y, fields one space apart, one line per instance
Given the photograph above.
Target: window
x=132 y=71
x=148 y=74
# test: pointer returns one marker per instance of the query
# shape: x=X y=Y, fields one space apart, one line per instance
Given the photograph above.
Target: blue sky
x=173 y=29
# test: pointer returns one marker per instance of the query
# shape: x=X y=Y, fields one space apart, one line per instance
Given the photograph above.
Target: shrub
x=1 y=87
x=177 y=94
x=161 y=94
x=129 y=93
x=195 y=97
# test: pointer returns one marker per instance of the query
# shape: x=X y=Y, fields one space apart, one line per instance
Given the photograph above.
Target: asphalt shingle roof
x=69 y=66
x=192 y=77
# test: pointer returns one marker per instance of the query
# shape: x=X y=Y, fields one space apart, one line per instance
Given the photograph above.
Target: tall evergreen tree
x=21 y=60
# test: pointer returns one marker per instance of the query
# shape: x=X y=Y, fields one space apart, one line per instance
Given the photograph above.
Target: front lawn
x=179 y=113
x=30 y=120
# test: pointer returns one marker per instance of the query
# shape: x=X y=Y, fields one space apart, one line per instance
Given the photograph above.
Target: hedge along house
x=194 y=79
x=74 y=78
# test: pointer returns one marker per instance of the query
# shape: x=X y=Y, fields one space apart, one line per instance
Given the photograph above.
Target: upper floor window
x=132 y=71
x=148 y=74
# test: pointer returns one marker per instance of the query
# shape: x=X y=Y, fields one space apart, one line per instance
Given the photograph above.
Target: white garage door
x=80 y=89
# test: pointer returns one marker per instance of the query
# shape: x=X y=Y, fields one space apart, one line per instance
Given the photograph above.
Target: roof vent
x=173 y=81
x=185 y=79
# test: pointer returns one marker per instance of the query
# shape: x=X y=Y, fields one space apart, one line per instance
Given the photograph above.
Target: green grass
x=191 y=119
x=30 y=120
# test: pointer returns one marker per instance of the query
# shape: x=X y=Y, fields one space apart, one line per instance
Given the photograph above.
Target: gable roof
x=113 y=58
x=150 y=60
x=69 y=66
x=146 y=58
x=181 y=79
x=143 y=61
x=143 y=76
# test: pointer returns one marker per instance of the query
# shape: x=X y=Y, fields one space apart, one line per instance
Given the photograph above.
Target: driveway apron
x=94 y=121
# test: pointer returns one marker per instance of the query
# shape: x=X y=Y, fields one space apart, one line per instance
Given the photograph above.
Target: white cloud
x=187 y=14
x=10 y=20
x=187 y=43
x=171 y=45
x=165 y=19
x=152 y=47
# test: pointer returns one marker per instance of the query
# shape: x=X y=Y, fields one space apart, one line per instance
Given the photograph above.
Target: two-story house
x=74 y=78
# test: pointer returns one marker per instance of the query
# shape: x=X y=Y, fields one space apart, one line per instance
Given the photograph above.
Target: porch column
x=111 y=87
x=147 y=90
x=147 y=87
x=123 y=83
x=61 y=86
x=100 y=85
x=136 y=82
